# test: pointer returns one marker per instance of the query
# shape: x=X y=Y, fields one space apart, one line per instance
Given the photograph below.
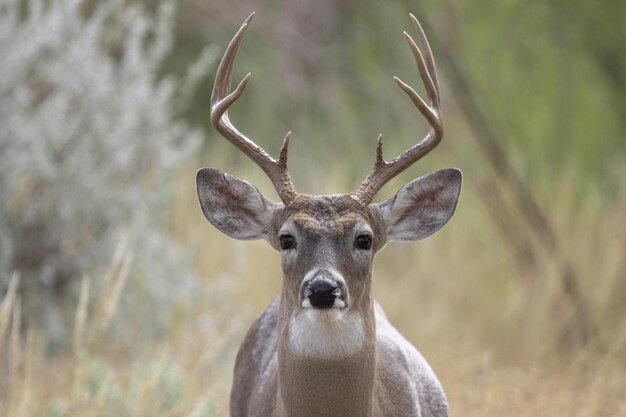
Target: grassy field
x=493 y=339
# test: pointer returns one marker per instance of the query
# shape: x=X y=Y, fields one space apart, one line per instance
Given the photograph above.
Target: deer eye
x=364 y=241
x=287 y=242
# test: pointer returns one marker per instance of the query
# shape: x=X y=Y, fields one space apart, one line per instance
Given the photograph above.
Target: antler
x=384 y=171
x=222 y=99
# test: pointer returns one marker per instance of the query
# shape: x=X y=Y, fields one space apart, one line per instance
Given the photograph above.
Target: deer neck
x=326 y=365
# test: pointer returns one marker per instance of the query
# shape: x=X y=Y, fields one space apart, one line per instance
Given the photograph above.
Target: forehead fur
x=328 y=212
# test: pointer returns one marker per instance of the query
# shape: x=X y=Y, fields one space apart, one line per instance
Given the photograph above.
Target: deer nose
x=322 y=293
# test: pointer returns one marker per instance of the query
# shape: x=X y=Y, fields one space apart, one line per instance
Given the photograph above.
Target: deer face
x=327 y=243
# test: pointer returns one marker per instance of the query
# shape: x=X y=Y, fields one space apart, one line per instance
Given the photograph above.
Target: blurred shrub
x=88 y=140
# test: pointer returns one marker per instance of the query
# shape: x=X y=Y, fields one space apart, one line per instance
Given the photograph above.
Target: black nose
x=322 y=293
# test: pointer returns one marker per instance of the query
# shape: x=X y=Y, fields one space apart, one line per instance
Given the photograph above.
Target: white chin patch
x=326 y=333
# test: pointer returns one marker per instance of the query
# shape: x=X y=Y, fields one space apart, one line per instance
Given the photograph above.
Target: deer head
x=327 y=243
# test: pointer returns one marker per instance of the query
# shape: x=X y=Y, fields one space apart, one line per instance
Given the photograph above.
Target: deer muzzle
x=323 y=289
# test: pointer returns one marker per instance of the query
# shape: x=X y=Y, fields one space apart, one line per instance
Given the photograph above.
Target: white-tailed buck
x=324 y=347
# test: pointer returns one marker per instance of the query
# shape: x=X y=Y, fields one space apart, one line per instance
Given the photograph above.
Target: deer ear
x=423 y=206
x=233 y=205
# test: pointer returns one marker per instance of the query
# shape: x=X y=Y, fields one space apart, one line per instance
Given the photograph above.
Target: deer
x=324 y=346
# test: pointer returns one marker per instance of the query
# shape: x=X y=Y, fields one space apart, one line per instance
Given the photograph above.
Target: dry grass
x=493 y=340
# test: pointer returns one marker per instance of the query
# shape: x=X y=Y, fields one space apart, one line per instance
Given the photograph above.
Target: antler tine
x=384 y=171
x=430 y=62
x=222 y=99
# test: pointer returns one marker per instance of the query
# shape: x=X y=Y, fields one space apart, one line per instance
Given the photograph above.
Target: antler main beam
x=384 y=171
x=222 y=99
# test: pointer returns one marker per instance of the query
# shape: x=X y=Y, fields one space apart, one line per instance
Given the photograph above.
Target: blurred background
x=118 y=297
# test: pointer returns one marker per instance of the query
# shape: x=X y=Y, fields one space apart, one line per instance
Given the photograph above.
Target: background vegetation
x=119 y=299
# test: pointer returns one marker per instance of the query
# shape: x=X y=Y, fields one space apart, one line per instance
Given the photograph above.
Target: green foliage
x=549 y=76
x=540 y=78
